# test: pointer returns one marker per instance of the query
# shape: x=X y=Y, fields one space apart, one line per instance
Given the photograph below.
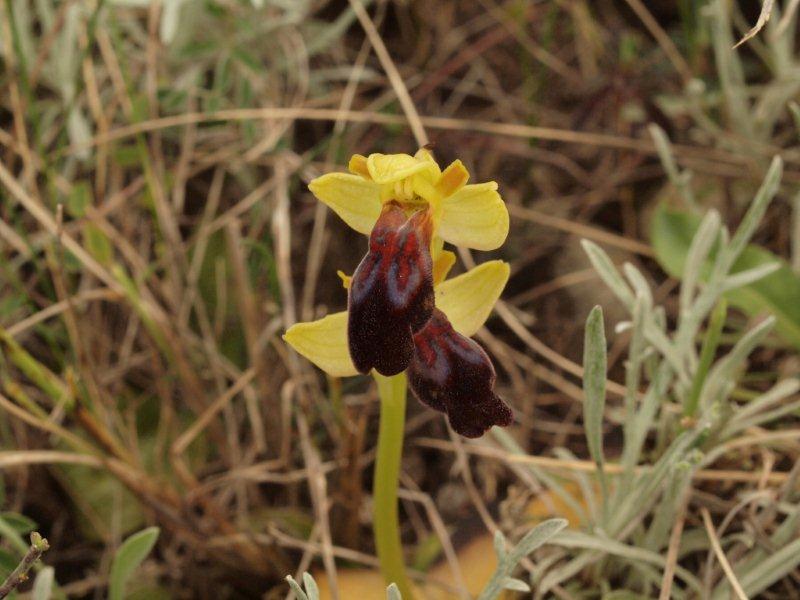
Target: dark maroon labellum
x=452 y=374
x=391 y=293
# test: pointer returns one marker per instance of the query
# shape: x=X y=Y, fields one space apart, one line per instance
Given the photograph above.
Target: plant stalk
x=386 y=527
x=38 y=547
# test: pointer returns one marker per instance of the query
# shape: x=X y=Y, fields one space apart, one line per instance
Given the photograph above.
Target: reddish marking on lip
x=387 y=305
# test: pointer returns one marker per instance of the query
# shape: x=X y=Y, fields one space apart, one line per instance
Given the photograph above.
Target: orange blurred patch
x=476 y=558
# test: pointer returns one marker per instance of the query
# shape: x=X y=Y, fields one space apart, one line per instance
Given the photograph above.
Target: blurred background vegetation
x=157 y=237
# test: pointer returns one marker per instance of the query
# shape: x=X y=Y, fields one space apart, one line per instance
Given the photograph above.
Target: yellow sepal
x=324 y=343
x=356 y=200
x=468 y=299
x=475 y=217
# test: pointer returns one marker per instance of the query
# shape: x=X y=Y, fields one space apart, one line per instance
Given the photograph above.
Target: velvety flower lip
x=452 y=374
x=466 y=299
x=391 y=292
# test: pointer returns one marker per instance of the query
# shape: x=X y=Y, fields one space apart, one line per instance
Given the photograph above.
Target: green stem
x=707 y=352
x=392 y=392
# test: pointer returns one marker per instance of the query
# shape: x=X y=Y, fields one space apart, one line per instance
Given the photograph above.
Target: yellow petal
x=442 y=265
x=468 y=299
x=358 y=166
x=356 y=200
x=388 y=168
x=475 y=217
x=453 y=178
x=324 y=343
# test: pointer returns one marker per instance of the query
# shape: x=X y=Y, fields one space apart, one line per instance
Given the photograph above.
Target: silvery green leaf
x=622 y=327
x=499 y=545
x=650 y=483
x=720 y=376
x=311 y=587
x=756 y=211
x=393 y=592
x=661 y=142
x=170 y=19
x=535 y=538
x=636 y=349
x=769 y=416
x=637 y=352
x=517 y=585
x=703 y=240
x=298 y=591
x=23 y=23
x=766 y=572
x=79 y=132
x=638 y=283
x=681 y=180
x=743 y=278
x=578 y=539
x=64 y=58
x=43 y=585
x=608 y=272
x=729 y=68
x=585 y=482
x=664 y=512
x=777 y=393
x=565 y=571
x=594 y=383
x=656 y=336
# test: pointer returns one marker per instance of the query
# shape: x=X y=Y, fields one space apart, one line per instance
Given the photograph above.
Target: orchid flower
x=403 y=314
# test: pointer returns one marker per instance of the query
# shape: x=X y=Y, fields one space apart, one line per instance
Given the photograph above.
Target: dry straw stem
x=318 y=488
x=723 y=560
x=589 y=466
x=542 y=349
x=581 y=230
x=514 y=130
x=391 y=71
x=672 y=551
